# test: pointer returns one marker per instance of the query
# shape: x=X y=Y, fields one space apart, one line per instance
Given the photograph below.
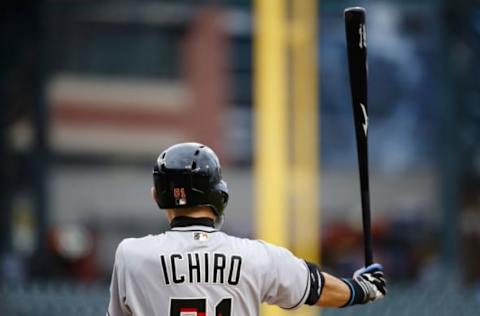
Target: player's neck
x=185 y=221
x=197 y=212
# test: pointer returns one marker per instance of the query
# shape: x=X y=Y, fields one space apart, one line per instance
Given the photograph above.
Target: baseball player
x=194 y=269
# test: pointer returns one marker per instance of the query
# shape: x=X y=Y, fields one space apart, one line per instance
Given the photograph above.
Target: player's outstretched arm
x=335 y=292
x=366 y=285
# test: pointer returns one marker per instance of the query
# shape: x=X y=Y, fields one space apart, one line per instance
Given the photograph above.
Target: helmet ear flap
x=225 y=198
x=220 y=197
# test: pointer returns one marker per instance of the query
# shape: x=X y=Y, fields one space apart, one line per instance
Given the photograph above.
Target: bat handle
x=368 y=248
x=367 y=230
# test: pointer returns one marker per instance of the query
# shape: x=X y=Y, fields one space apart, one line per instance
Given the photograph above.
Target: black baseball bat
x=357 y=66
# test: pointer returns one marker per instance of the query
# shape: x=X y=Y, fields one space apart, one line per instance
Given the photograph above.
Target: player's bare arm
x=335 y=293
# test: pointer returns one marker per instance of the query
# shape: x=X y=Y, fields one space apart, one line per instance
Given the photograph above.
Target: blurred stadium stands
x=52 y=299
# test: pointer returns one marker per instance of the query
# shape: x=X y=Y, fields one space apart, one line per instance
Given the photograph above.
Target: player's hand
x=372 y=282
x=367 y=285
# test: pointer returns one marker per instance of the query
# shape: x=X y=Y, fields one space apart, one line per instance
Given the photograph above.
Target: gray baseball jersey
x=200 y=271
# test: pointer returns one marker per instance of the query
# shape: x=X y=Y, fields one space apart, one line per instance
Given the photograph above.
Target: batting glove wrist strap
x=357 y=294
x=368 y=284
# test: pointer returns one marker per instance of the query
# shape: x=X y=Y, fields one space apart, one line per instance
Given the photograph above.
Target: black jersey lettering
x=193 y=267
x=219 y=263
x=206 y=267
x=235 y=266
x=179 y=278
x=164 y=268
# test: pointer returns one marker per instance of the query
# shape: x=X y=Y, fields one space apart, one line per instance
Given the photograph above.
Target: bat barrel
x=355 y=30
x=357 y=66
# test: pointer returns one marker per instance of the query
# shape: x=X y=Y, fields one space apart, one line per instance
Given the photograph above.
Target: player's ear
x=153 y=194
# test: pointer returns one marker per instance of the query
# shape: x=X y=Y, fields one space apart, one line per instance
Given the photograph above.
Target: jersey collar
x=185 y=221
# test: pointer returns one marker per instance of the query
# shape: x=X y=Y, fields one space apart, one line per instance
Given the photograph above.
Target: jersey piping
x=305 y=292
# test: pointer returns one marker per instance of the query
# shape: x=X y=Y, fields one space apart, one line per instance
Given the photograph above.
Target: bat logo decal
x=365 y=118
x=362 y=36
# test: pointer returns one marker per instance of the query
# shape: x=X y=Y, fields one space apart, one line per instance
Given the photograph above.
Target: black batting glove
x=367 y=285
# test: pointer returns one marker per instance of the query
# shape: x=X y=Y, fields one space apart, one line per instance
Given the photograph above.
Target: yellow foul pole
x=305 y=129
x=271 y=148
x=273 y=37
x=305 y=200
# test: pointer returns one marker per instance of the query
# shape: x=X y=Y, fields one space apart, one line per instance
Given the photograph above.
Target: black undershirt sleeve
x=317 y=282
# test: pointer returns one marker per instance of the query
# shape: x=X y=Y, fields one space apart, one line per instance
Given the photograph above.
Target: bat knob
x=355 y=10
x=355 y=14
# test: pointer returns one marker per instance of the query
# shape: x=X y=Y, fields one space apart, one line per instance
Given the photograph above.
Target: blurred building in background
x=92 y=91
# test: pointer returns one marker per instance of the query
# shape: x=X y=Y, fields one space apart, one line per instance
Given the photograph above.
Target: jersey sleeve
x=287 y=280
x=117 y=306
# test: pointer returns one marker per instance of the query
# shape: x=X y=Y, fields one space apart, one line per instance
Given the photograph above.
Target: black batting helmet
x=187 y=175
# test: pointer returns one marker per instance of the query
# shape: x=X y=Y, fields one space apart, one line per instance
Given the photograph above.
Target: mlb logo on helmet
x=180 y=196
